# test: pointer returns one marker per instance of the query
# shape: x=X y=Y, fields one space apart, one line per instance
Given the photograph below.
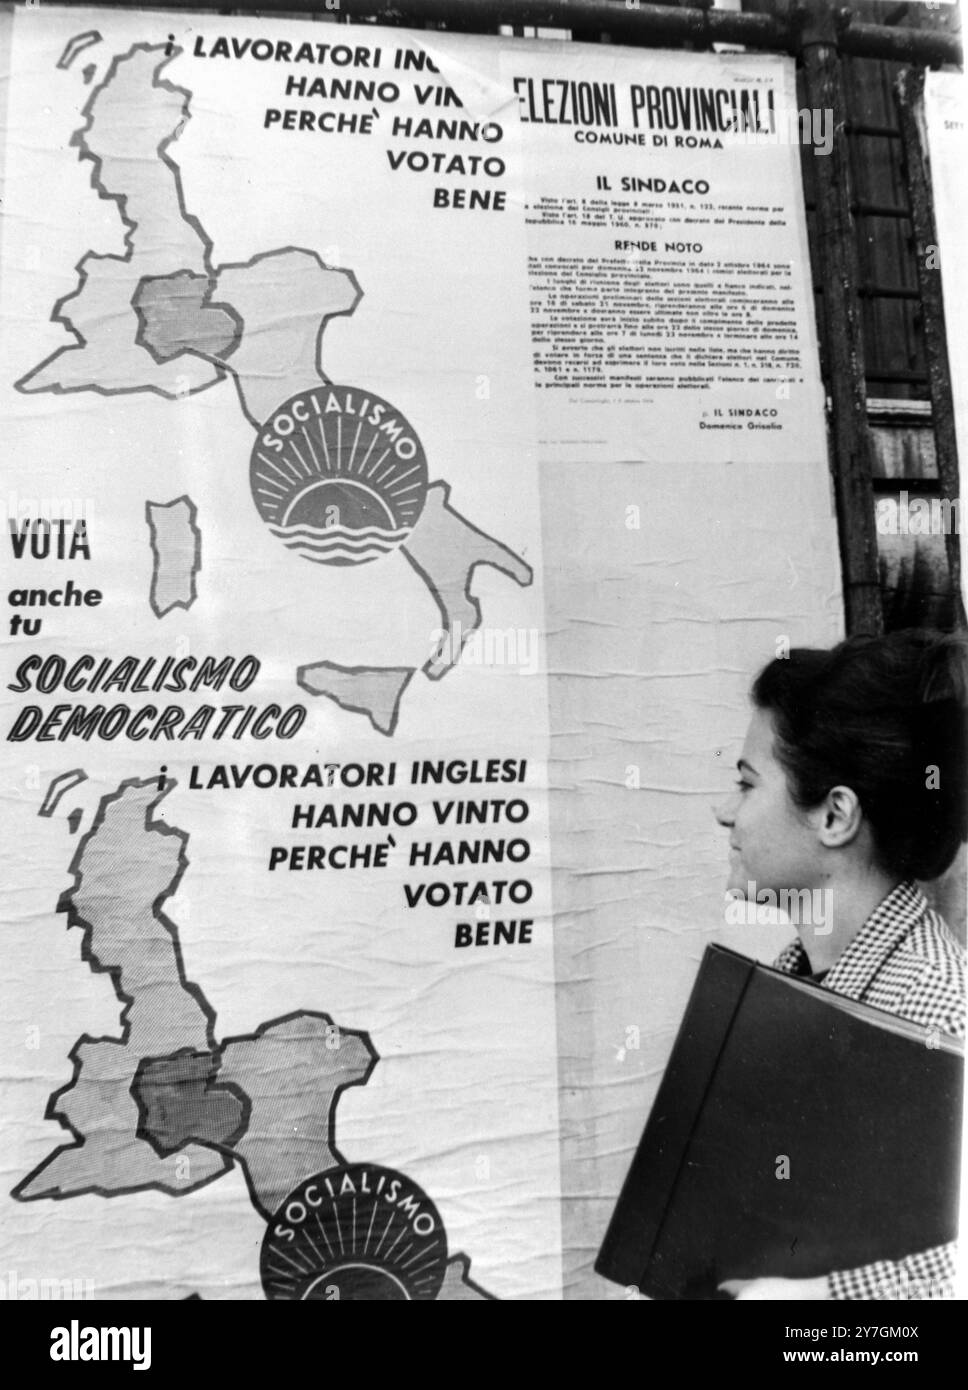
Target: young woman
x=853 y=780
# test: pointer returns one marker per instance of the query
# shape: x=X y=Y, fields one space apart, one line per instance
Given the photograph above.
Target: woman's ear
x=841 y=818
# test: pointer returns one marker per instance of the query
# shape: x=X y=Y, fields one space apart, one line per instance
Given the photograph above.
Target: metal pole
x=643 y=23
x=852 y=451
x=909 y=90
x=927 y=47
x=627 y=21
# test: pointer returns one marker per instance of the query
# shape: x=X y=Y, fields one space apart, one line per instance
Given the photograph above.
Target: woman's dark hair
x=885 y=716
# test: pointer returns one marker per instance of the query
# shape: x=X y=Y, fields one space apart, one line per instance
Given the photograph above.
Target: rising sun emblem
x=339 y=475
x=355 y=1232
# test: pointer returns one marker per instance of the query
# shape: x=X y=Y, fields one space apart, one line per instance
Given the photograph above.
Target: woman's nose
x=725 y=813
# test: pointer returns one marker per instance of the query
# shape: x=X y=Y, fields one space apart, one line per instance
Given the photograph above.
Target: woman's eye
x=743 y=785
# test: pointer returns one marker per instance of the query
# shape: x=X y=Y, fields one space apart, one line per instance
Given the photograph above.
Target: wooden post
x=852 y=449
x=909 y=90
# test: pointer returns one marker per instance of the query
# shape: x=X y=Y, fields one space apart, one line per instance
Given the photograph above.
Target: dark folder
x=773 y=1075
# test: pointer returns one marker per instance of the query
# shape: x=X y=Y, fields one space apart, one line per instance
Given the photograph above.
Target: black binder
x=771 y=1073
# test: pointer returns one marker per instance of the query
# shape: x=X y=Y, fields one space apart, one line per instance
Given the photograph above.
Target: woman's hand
x=776 y=1289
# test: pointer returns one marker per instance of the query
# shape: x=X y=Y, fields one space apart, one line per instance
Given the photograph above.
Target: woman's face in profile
x=772 y=843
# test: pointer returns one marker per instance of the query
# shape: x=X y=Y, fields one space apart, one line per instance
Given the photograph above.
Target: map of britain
x=165 y=1105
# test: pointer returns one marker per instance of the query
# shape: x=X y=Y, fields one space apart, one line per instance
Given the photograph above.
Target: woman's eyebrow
x=743 y=765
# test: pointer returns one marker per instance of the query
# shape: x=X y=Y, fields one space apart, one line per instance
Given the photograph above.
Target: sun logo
x=339 y=475
x=355 y=1232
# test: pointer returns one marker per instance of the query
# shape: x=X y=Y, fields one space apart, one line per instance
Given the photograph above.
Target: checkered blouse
x=903 y=960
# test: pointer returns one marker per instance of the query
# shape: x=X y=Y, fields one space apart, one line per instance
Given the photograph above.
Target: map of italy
x=165 y=1105
x=165 y=317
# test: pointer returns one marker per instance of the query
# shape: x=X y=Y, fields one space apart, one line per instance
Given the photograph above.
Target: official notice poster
x=414 y=443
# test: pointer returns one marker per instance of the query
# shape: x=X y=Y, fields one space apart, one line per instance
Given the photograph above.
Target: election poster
x=413 y=443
